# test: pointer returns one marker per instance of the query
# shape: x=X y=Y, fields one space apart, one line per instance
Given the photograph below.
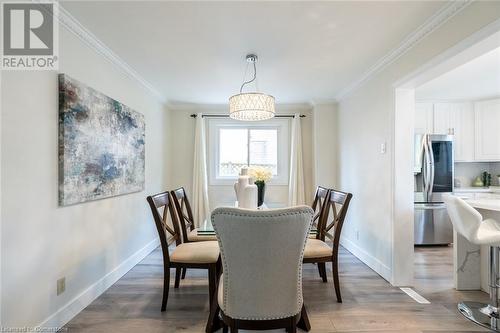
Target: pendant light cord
x=253 y=79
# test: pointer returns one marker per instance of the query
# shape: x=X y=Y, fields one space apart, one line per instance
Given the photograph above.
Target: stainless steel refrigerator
x=433 y=171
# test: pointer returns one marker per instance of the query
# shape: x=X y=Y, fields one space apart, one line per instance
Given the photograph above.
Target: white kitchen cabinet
x=424 y=118
x=487 y=119
x=457 y=119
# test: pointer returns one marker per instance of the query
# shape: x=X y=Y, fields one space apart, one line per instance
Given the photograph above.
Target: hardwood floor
x=370 y=303
x=433 y=269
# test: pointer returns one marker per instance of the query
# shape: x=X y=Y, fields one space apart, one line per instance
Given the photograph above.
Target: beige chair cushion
x=194 y=237
x=316 y=248
x=196 y=253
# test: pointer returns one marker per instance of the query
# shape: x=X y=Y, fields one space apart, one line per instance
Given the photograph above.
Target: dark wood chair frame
x=163 y=200
x=217 y=318
x=320 y=198
x=186 y=219
x=334 y=198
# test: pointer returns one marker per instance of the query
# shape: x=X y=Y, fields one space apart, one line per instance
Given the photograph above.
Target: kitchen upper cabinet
x=456 y=119
x=424 y=116
x=487 y=130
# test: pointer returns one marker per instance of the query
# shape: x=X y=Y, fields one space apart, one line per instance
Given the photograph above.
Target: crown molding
x=71 y=24
x=431 y=24
x=456 y=100
x=319 y=102
x=200 y=107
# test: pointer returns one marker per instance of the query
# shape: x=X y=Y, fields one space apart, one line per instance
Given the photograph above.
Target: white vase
x=246 y=191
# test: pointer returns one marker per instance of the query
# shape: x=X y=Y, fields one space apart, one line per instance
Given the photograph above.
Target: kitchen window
x=235 y=144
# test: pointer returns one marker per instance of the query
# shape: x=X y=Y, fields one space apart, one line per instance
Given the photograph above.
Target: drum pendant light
x=251 y=106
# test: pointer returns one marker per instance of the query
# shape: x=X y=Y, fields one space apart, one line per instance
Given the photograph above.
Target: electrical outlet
x=357 y=234
x=61 y=285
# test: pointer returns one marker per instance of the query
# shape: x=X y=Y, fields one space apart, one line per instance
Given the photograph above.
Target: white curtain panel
x=200 y=205
x=296 y=190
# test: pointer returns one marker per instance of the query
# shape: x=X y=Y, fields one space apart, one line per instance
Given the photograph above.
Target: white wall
x=366 y=119
x=325 y=142
x=42 y=242
x=181 y=133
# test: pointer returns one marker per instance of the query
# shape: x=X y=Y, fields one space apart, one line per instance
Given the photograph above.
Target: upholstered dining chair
x=261 y=251
x=318 y=250
x=202 y=255
x=320 y=198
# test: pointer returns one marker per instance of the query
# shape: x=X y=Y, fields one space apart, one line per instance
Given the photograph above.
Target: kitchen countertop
x=489 y=204
x=470 y=189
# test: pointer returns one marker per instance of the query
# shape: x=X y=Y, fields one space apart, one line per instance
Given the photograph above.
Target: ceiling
x=193 y=52
x=477 y=79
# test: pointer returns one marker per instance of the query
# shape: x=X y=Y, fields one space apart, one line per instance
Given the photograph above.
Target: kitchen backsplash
x=466 y=172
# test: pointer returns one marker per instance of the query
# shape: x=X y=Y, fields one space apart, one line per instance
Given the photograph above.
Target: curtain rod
x=227 y=116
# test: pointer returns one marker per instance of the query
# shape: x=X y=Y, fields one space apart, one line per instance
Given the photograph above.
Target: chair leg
x=183 y=273
x=335 y=269
x=322 y=271
x=218 y=266
x=293 y=326
x=214 y=323
x=166 y=285
x=212 y=280
x=177 y=277
x=304 y=323
x=225 y=329
x=233 y=328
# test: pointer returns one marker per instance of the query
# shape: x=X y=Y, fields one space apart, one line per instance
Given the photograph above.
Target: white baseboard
x=62 y=316
x=367 y=258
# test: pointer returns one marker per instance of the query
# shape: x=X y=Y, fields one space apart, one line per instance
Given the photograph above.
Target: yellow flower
x=260 y=174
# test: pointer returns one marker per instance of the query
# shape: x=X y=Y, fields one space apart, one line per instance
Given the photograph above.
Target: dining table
x=206 y=228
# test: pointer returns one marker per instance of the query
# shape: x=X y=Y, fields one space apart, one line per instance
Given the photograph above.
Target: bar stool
x=469 y=223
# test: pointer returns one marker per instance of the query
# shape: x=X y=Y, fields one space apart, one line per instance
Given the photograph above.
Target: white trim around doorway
x=484 y=40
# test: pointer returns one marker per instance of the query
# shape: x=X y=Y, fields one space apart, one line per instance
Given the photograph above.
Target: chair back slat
x=161 y=207
x=338 y=204
x=184 y=212
x=320 y=197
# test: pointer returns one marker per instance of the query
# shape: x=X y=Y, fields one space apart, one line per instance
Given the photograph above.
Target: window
x=234 y=144
x=240 y=147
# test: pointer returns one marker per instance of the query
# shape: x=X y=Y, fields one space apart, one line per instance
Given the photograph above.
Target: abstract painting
x=101 y=145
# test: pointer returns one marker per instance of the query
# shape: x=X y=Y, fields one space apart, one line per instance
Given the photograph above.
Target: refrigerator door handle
x=432 y=170
x=424 y=163
x=426 y=170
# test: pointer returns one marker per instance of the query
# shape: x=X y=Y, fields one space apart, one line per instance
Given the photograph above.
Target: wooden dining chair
x=320 y=197
x=185 y=215
x=317 y=250
x=201 y=255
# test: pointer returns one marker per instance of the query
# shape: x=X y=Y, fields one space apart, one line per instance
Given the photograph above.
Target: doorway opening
x=430 y=103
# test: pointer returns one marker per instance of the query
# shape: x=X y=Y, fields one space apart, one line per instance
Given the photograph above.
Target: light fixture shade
x=251 y=106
